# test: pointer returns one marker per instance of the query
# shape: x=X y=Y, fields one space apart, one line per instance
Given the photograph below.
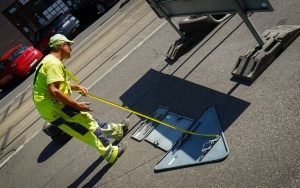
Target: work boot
x=125 y=123
x=122 y=148
x=125 y=127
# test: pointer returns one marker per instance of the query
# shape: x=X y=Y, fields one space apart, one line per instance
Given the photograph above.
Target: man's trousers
x=83 y=126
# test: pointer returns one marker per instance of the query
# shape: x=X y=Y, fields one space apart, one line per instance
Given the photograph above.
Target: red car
x=17 y=63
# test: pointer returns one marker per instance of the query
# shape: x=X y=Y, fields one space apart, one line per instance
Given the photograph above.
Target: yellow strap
x=148 y=117
x=71 y=76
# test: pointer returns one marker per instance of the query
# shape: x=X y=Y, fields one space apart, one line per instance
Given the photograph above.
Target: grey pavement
x=260 y=120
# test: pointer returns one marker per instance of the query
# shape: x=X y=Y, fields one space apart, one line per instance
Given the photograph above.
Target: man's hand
x=66 y=100
x=81 y=89
x=83 y=106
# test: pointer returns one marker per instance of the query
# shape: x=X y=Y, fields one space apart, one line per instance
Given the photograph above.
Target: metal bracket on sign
x=207 y=149
x=194 y=149
x=146 y=126
x=165 y=137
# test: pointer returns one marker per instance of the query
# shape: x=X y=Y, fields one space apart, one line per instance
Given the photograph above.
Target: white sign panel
x=174 y=8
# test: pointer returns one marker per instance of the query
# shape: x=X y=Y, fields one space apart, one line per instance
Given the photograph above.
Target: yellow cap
x=58 y=39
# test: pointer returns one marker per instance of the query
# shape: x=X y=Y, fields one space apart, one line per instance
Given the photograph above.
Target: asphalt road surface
x=124 y=60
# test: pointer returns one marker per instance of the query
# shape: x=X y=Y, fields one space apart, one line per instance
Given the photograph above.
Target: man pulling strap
x=51 y=96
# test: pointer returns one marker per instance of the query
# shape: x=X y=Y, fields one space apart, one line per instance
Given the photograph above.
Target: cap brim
x=60 y=42
x=71 y=42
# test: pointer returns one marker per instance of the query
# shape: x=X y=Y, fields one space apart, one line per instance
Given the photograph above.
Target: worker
x=52 y=98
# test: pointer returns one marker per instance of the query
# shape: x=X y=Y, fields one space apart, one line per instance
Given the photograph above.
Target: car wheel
x=17 y=78
x=46 y=50
x=101 y=8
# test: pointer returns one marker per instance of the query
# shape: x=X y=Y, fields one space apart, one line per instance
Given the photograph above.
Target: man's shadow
x=96 y=178
x=53 y=147
x=88 y=171
x=49 y=150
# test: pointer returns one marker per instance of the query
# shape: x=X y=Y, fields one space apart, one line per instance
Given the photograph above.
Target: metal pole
x=159 y=9
x=248 y=22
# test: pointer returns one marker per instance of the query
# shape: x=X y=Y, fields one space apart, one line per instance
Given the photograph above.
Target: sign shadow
x=181 y=97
